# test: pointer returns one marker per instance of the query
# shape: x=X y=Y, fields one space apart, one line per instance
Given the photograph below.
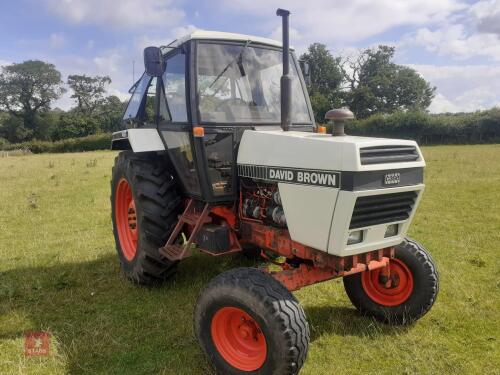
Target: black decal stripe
x=346 y=180
x=371 y=180
x=314 y=177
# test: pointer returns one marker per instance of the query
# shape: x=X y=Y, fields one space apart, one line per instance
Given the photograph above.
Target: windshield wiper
x=238 y=59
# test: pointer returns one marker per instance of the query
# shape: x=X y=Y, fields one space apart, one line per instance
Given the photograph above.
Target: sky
x=454 y=44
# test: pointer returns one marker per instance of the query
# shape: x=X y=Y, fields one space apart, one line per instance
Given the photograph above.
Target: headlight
x=355 y=237
x=392 y=230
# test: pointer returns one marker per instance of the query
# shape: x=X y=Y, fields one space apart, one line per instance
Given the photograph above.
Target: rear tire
x=145 y=204
x=415 y=285
x=246 y=321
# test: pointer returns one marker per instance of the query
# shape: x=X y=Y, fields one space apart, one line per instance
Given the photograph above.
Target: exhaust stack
x=286 y=80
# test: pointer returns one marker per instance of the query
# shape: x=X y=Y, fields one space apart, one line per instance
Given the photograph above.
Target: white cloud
x=109 y=62
x=487 y=15
x=453 y=40
x=123 y=14
x=57 y=40
x=440 y=104
x=462 y=88
x=449 y=28
x=175 y=33
x=114 y=63
x=299 y=42
x=475 y=33
x=348 y=20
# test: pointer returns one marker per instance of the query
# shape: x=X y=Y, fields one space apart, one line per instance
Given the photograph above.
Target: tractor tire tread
x=279 y=303
x=157 y=195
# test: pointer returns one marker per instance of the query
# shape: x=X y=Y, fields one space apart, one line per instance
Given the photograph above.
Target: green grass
x=59 y=273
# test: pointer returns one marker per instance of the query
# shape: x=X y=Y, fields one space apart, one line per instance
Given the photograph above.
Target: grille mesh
x=381 y=209
x=387 y=154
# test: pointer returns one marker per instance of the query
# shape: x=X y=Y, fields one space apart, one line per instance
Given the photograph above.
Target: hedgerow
x=425 y=128
x=89 y=143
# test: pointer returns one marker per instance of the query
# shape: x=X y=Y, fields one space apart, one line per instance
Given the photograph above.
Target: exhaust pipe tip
x=282 y=12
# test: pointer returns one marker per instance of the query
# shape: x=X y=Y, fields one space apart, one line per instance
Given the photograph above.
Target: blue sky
x=453 y=43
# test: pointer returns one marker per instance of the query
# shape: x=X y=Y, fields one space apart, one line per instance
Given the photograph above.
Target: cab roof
x=219 y=35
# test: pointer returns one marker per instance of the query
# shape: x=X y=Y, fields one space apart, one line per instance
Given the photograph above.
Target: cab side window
x=135 y=101
x=141 y=107
x=148 y=115
x=174 y=80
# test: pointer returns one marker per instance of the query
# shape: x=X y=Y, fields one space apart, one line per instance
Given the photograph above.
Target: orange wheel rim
x=126 y=219
x=392 y=292
x=239 y=339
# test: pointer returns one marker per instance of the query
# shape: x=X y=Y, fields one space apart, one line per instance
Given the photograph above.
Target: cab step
x=191 y=216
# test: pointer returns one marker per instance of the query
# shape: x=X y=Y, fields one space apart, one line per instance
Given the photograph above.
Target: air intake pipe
x=286 y=80
x=339 y=117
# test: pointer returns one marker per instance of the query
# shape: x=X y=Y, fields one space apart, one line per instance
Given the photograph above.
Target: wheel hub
x=132 y=217
x=238 y=339
x=389 y=282
x=389 y=289
x=248 y=330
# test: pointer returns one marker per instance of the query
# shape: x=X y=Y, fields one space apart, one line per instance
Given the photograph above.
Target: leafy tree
x=326 y=79
x=12 y=129
x=88 y=92
x=73 y=125
x=377 y=85
x=26 y=90
x=111 y=114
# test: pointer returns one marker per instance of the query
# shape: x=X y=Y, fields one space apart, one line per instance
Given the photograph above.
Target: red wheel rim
x=239 y=339
x=389 y=292
x=126 y=219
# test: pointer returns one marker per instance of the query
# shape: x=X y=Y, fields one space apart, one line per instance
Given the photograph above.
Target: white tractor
x=221 y=154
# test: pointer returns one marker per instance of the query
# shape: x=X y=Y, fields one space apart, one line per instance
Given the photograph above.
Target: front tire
x=246 y=321
x=145 y=205
x=407 y=296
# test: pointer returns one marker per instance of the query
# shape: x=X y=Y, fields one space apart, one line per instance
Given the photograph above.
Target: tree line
x=369 y=83
x=27 y=91
x=388 y=100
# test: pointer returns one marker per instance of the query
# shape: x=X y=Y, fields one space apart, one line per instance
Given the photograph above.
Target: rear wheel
x=145 y=205
x=406 y=295
x=246 y=321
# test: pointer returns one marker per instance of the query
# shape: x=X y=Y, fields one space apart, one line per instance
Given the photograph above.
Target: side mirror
x=153 y=61
x=306 y=71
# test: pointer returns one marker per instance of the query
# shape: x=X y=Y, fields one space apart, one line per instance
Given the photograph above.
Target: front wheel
x=246 y=321
x=406 y=295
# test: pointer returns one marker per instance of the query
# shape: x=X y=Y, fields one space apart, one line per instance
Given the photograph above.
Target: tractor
x=220 y=154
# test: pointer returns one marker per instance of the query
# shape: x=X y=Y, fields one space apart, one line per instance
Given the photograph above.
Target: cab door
x=174 y=123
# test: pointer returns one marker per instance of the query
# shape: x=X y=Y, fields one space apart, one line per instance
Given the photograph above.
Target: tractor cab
x=200 y=93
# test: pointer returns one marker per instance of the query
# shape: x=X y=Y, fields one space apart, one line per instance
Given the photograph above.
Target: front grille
x=387 y=154
x=381 y=209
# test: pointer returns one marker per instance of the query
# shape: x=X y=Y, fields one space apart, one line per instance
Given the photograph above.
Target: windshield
x=241 y=84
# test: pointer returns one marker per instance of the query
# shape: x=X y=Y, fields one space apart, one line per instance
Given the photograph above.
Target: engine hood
x=293 y=149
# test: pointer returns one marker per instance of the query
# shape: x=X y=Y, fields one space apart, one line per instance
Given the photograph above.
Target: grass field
x=59 y=273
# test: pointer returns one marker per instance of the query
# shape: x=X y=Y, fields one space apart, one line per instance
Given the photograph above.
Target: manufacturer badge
x=392 y=178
